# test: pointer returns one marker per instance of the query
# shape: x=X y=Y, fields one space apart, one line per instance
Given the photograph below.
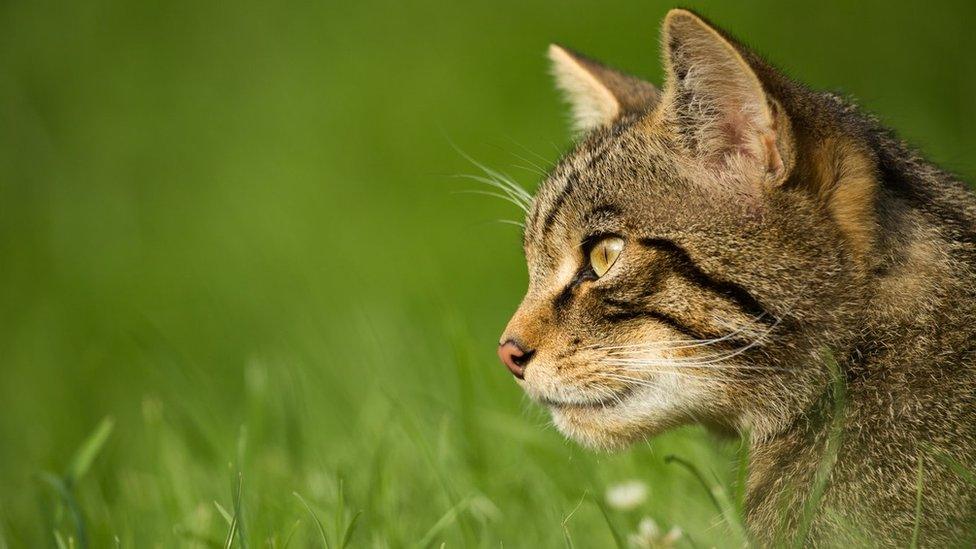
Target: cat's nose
x=515 y=357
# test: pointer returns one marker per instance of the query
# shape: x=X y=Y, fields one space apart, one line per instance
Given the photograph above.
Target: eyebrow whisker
x=515 y=196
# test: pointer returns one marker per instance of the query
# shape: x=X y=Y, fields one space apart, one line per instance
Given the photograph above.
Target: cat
x=712 y=251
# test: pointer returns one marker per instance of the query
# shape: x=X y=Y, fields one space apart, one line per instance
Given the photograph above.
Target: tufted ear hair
x=717 y=104
x=598 y=94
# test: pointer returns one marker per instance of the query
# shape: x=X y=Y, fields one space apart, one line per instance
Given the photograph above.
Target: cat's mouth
x=601 y=403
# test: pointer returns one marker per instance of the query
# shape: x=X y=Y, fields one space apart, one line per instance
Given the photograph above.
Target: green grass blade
x=350 y=530
x=411 y=427
x=730 y=512
x=68 y=500
x=291 y=534
x=919 y=482
x=697 y=474
x=567 y=537
x=59 y=540
x=442 y=523
x=231 y=534
x=239 y=511
x=720 y=499
x=318 y=523
x=618 y=538
x=88 y=451
x=835 y=436
x=947 y=460
x=223 y=512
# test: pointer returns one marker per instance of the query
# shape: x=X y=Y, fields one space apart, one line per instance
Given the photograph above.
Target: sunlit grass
x=401 y=479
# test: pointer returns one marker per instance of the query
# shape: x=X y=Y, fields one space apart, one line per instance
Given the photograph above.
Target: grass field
x=242 y=298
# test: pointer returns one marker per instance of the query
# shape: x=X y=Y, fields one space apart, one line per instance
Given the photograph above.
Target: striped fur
x=764 y=223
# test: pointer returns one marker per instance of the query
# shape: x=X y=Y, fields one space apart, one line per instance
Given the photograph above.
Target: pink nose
x=516 y=358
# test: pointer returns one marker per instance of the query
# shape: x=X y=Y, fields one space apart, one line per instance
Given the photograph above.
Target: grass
x=392 y=499
x=835 y=437
x=235 y=231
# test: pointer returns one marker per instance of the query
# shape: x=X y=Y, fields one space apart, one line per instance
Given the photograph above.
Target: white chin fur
x=642 y=414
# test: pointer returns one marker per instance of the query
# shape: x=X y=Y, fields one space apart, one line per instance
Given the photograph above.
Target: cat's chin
x=613 y=427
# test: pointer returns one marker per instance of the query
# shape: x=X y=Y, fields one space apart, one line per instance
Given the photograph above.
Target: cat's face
x=672 y=276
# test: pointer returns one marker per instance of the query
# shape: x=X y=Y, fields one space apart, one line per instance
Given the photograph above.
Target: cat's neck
x=907 y=358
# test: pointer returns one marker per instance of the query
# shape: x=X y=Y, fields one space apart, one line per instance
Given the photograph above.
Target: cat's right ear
x=598 y=94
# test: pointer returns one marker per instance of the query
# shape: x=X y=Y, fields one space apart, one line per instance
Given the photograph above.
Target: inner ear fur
x=718 y=105
x=597 y=94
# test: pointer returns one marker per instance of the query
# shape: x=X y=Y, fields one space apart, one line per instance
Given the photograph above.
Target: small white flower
x=626 y=495
x=648 y=528
x=648 y=536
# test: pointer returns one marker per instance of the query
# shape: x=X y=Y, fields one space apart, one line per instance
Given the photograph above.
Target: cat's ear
x=717 y=103
x=598 y=94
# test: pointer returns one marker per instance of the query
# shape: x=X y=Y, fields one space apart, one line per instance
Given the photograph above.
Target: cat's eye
x=605 y=254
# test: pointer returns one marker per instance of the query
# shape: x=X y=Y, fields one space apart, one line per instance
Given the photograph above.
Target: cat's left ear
x=598 y=94
x=717 y=103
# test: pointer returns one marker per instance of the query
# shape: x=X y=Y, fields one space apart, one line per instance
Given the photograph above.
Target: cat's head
x=692 y=256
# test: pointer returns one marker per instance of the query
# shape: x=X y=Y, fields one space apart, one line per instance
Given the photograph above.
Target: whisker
x=700 y=343
x=531 y=169
x=681 y=344
x=640 y=366
x=666 y=360
x=695 y=361
x=647 y=383
x=510 y=222
x=513 y=196
x=504 y=197
x=728 y=367
x=506 y=181
x=713 y=361
x=497 y=179
x=673 y=344
x=545 y=161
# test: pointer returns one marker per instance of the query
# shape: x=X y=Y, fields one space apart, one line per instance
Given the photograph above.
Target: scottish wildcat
x=692 y=258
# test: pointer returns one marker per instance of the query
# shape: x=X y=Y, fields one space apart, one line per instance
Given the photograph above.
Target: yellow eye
x=605 y=253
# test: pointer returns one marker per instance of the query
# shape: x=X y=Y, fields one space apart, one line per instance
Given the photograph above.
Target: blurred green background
x=234 y=228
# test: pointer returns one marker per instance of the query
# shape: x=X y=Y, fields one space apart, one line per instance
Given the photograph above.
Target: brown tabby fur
x=792 y=224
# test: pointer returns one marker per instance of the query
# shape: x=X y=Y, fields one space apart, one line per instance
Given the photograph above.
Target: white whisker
x=696 y=361
x=681 y=344
x=496 y=178
x=511 y=222
x=545 y=161
x=529 y=165
x=645 y=382
x=511 y=195
x=729 y=367
x=707 y=359
x=504 y=197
